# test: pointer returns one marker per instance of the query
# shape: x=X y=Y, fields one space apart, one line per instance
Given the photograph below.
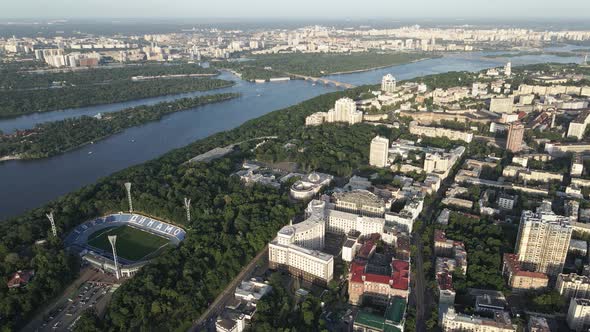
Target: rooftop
x=511 y=260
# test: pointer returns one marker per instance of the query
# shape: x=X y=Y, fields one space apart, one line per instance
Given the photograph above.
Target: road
x=86 y=274
x=206 y=321
x=419 y=285
x=422 y=307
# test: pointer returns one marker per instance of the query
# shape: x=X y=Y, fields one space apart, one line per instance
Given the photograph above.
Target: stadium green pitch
x=132 y=244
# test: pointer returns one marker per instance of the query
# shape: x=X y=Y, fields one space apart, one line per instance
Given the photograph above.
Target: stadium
x=139 y=239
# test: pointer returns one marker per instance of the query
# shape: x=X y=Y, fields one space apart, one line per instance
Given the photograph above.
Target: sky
x=334 y=9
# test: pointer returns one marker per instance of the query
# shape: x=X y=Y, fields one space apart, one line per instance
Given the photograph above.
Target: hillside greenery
x=230 y=224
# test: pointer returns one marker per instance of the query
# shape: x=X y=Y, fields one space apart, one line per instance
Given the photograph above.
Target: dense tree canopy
x=317 y=64
x=19 y=102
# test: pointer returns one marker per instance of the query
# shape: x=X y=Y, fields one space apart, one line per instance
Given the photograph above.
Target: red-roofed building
x=442 y=245
x=367 y=250
x=20 y=278
x=522 y=280
x=380 y=288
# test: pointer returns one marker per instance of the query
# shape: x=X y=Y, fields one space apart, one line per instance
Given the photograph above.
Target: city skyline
x=455 y=9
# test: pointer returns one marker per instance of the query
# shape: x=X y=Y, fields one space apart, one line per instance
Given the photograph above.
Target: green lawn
x=132 y=244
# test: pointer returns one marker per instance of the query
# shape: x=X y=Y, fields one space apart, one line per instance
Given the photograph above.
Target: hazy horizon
x=302 y=9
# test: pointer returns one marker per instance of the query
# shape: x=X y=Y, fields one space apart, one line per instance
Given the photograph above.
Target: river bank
x=377 y=68
x=52 y=177
x=53 y=138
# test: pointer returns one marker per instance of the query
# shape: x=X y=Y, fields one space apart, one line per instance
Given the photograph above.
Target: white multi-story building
x=311 y=265
x=543 y=240
x=577 y=165
x=308 y=233
x=578 y=315
x=297 y=247
x=340 y=222
x=502 y=104
x=388 y=84
x=508 y=69
x=316 y=119
x=506 y=201
x=360 y=202
x=344 y=111
x=573 y=286
x=454 y=135
x=379 y=152
x=453 y=321
x=577 y=127
x=309 y=185
x=252 y=290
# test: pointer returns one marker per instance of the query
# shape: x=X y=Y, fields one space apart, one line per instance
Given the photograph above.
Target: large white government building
x=297 y=248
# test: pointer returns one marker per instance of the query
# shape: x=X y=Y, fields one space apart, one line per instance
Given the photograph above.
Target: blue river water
x=28 y=184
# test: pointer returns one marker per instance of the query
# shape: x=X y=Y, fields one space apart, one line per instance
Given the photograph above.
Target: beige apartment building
x=543 y=241
x=416 y=129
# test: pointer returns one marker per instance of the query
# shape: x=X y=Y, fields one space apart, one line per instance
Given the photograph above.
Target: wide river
x=27 y=184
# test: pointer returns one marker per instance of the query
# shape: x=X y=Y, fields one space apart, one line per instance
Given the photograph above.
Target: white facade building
x=310 y=185
x=388 y=84
x=379 y=152
x=344 y=111
x=578 y=315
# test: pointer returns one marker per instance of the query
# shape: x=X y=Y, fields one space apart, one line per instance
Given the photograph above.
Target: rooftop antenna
x=128 y=188
x=187 y=206
x=52 y=221
x=113 y=241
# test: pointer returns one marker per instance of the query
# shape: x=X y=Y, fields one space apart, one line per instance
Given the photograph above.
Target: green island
x=231 y=223
x=52 y=138
x=264 y=67
x=20 y=102
x=17 y=77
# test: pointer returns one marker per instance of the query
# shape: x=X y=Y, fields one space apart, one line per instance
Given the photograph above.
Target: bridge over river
x=323 y=81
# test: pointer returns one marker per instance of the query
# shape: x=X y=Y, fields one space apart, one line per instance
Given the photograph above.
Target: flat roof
x=395 y=310
x=369 y=319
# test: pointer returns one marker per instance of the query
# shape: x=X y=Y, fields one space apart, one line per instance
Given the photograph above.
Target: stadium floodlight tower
x=52 y=221
x=113 y=241
x=128 y=187
x=187 y=206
